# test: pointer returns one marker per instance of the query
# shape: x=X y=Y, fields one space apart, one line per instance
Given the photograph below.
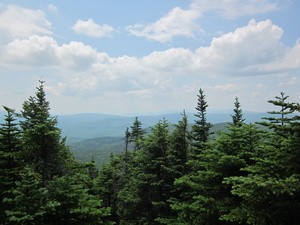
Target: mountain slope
x=88 y=126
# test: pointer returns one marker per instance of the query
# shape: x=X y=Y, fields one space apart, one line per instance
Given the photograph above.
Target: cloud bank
x=185 y=22
x=18 y=22
x=252 y=50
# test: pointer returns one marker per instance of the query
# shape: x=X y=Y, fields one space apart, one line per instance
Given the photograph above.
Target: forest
x=248 y=174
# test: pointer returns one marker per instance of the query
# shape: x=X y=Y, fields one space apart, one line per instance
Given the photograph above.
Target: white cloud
x=76 y=55
x=180 y=22
x=252 y=50
x=43 y=51
x=90 y=28
x=35 y=51
x=243 y=51
x=177 y=22
x=18 y=22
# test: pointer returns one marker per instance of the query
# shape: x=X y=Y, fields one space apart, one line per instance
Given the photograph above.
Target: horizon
x=136 y=57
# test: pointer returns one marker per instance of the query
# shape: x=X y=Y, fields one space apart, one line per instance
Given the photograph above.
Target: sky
x=138 y=57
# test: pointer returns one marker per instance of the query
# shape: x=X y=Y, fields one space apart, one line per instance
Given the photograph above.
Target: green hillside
x=101 y=148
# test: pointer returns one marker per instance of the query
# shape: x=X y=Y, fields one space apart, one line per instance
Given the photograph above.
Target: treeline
x=246 y=175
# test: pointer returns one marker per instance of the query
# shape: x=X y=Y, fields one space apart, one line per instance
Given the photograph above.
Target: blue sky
x=139 y=57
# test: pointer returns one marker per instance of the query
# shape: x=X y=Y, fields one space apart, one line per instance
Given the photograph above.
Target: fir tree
x=143 y=199
x=270 y=190
x=78 y=204
x=201 y=128
x=136 y=133
x=29 y=200
x=10 y=160
x=176 y=167
x=44 y=150
x=237 y=117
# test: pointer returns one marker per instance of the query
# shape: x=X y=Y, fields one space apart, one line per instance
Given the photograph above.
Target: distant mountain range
x=96 y=135
x=91 y=125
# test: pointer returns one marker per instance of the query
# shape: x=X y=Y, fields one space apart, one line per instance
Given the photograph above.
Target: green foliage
x=10 y=148
x=76 y=204
x=29 y=203
x=137 y=133
x=178 y=174
x=41 y=137
x=270 y=190
x=40 y=181
x=201 y=128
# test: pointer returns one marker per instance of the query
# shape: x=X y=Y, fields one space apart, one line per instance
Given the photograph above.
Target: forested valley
x=248 y=174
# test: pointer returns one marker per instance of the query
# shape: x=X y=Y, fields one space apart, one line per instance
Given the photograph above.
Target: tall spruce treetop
x=237 y=117
x=43 y=148
x=136 y=134
x=200 y=130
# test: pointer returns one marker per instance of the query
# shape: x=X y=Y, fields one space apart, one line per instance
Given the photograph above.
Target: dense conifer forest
x=187 y=175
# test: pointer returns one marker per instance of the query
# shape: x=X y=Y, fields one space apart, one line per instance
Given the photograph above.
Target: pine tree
x=201 y=128
x=44 y=150
x=29 y=200
x=237 y=117
x=10 y=161
x=176 y=167
x=77 y=200
x=143 y=199
x=270 y=191
x=136 y=133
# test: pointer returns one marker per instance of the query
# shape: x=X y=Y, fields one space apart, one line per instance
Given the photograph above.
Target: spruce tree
x=136 y=133
x=43 y=148
x=270 y=191
x=143 y=199
x=237 y=117
x=10 y=160
x=29 y=200
x=77 y=201
x=176 y=167
x=201 y=128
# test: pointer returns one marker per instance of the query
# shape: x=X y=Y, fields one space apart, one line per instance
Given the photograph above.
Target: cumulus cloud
x=252 y=50
x=43 y=51
x=90 y=28
x=18 y=22
x=177 y=22
x=245 y=50
x=181 y=22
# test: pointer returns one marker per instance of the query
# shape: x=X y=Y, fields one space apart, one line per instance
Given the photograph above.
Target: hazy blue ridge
x=88 y=126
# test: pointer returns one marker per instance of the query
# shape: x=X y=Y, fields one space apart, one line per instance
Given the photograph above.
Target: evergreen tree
x=176 y=167
x=237 y=117
x=200 y=130
x=29 y=200
x=44 y=150
x=205 y=198
x=10 y=161
x=187 y=206
x=78 y=202
x=143 y=199
x=110 y=182
x=270 y=191
x=136 y=133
